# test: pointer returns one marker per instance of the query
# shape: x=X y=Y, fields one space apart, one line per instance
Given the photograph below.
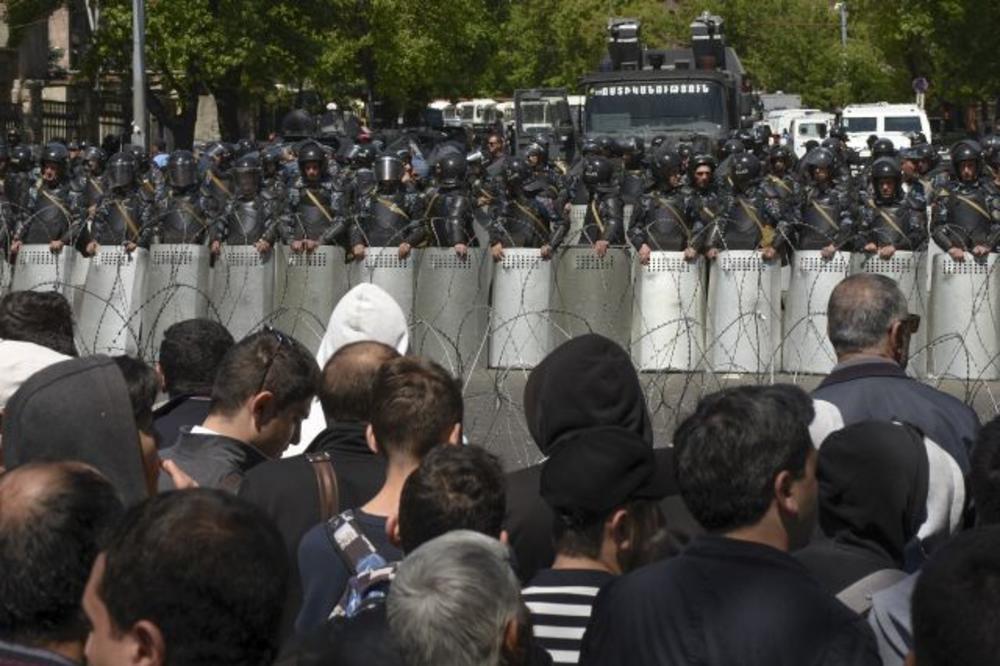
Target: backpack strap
x=326 y=484
x=858 y=595
x=347 y=539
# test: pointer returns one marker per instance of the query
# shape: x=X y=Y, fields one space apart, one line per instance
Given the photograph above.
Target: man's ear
x=149 y=647
x=783 y=495
x=370 y=439
x=504 y=538
x=392 y=530
x=261 y=409
x=616 y=527
x=455 y=436
x=160 y=379
x=512 y=637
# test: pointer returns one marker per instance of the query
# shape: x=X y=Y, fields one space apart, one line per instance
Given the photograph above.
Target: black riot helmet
x=991 y=149
x=270 y=160
x=517 y=172
x=731 y=147
x=609 y=148
x=245 y=146
x=745 y=170
x=312 y=152
x=870 y=141
x=666 y=165
x=657 y=141
x=182 y=170
x=13 y=137
x=20 y=158
x=93 y=160
x=388 y=170
x=141 y=156
x=538 y=150
x=703 y=160
x=838 y=132
x=598 y=172
x=762 y=135
x=297 y=125
x=246 y=175
x=781 y=154
x=965 y=151
x=56 y=154
x=918 y=139
x=590 y=146
x=820 y=158
x=685 y=151
x=121 y=170
x=883 y=148
x=882 y=168
x=222 y=154
x=450 y=170
x=362 y=156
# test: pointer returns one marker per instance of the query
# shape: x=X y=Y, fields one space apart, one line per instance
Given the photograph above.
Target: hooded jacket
x=77 y=410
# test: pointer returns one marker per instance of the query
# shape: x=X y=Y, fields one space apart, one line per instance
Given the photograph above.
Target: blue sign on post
x=920 y=85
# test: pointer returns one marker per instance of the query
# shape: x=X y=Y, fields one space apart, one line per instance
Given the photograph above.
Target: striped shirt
x=560 y=602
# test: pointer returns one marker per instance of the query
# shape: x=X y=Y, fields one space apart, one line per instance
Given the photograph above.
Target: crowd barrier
x=177 y=288
x=593 y=294
x=109 y=319
x=307 y=287
x=805 y=347
x=243 y=288
x=40 y=269
x=521 y=323
x=965 y=304
x=668 y=313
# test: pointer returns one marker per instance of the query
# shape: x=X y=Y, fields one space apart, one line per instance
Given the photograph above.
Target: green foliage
x=19 y=14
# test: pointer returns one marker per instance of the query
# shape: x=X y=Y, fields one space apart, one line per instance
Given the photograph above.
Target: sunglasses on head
x=911 y=323
x=283 y=340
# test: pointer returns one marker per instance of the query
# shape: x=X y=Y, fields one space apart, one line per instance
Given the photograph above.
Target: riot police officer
x=634 y=180
x=524 y=217
x=705 y=199
x=824 y=220
x=891 y=221
x=966 y=218
x=536 y=155
x=664 y=220
x=123 y=216
x=361 y=176
x=6 y=210
x=748 y=220
x=181 y=216
x=16 y=184
x=446 y=209
x=779 y=183
x=250 y=217
x=91 y=182
x=217 y=185
x=53 y=209
x=385 y=215
x=603 y=225
x=273 y=185
x=316 y=213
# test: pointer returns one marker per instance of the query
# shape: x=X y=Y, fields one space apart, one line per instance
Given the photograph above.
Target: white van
x=888 y=121
x=812 y=127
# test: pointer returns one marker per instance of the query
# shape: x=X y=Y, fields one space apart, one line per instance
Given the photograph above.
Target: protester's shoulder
x=954 y=406
x=267 y=474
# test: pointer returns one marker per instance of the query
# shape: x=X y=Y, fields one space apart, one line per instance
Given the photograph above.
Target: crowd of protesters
x=151 y=515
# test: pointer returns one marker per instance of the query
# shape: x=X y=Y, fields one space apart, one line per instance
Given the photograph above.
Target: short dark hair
x=190 y=354
x=48 y=543
x=860 y=311
x=582 y=535
x=415 y=405
x=265 y=361
x=455 y=488
x=208 y=569
x=42 y=317
x=143 y=388
x=732 y=448
x=345 y=391
x=984 y=475
x=956 y=602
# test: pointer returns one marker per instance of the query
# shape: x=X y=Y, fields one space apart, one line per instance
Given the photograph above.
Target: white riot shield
x=177 y=288
x=308 y=286
x=577 y=216
x=744 y=312
x=965 y=311
x=805 y=346
x=6 y=273
x=627 y=211
x=593 y=294
x=668 y=315
x=451 y=307
x=909 y=270
x=40 y=269
x=521 y=323
x=383 y=267
x=242 y=289
x=110 y=317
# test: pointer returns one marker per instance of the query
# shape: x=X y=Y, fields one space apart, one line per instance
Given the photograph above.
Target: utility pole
x=139 y=73
x=842 y=6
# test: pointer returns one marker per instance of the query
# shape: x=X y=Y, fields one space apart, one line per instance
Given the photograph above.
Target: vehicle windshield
x=813 y=130
x=544 y=113
x=467 y=112
x=902 y=124
x=691 y=105
x=861 y=124
x=533 y=113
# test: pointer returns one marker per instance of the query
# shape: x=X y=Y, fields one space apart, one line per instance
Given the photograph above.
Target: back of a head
x=42 y=317
x=209 y=570
x=455 y=488
x=53 y=520
x=142 y=389
x=265 y=361
x=984 y=475
x=732 y=448
x=861 y=310
x=416 y=405
x=452 y=601
x=348 y=379
x=956 y=602
x=190 y=354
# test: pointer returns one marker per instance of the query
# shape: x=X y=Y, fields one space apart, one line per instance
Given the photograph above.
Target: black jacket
x=213 y=461
x=724 y=602
x=170 y=417
x=878 y=389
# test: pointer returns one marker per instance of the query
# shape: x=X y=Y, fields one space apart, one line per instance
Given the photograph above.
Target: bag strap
x=129 y=222
x=219 y=183
x=326 y=484
x=858 y=595
x=597 y=215
x=677 y=215
x=766 y=232
x=322 y=208
x=348 y=540
x=888 y=218
x=539 y=225
x=391 y=205
x=824 y=215
x=973 y=205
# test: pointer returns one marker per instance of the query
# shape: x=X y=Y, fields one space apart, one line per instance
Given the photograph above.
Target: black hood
x=77 y=410
x=586 y=382
x=873 y=482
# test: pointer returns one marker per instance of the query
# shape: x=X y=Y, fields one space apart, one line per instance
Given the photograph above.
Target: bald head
x=861 y=311
x=53 y=518
x=346 y=390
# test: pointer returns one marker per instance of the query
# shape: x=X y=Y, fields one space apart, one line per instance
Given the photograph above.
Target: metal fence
x=10 y=116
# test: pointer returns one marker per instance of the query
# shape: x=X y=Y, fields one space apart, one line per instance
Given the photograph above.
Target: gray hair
x=452 y=600
x=861 y=310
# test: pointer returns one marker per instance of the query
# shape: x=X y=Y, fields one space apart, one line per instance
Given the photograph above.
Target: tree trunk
x=181 y=125
x=227 y=100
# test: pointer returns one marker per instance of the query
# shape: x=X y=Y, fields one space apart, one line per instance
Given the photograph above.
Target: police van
x=896 y=122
